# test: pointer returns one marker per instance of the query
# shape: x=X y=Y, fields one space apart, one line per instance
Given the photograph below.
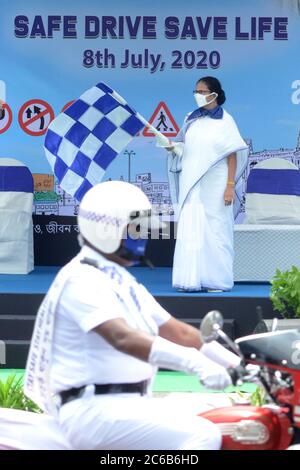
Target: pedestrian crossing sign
x=163 y=121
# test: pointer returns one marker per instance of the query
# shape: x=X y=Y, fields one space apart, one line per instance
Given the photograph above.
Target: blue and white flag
x=82 y=141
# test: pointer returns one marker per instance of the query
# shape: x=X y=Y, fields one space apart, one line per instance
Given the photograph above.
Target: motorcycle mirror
x=211 y=323
x=211 y=330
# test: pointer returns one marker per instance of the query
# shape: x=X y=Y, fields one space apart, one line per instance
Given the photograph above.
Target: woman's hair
x=214 y=86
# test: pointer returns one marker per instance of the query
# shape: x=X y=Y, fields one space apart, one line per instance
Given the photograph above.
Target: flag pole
x=163 y=140
x=153 y=129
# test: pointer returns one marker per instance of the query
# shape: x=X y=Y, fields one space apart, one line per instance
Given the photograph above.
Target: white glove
x=169 y=355
x=217 y=353
x=175 y=147
x=212 y=375
x=162 y=141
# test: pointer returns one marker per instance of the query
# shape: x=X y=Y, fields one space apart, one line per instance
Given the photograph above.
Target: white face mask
x=201 y=99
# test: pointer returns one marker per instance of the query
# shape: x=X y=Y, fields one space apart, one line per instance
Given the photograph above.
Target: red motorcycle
x=271 y=360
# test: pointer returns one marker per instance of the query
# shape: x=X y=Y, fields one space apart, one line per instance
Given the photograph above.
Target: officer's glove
x=212 y=375
x=169 y=355
x=217 y=353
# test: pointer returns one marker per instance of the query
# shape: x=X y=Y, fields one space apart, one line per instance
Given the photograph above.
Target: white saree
x=203 y=256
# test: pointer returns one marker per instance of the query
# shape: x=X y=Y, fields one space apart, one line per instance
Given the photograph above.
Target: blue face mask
x=133 y=250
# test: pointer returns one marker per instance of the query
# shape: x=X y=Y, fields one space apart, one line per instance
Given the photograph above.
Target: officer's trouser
x=133 y=422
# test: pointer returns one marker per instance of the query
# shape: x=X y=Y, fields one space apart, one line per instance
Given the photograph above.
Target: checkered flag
x=83 y=140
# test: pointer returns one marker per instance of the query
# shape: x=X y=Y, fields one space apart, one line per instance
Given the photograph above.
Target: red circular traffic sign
x=6 y=120
x=35 y=116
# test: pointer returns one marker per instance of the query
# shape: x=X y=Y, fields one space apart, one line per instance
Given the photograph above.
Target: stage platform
x=20 y=297
x=157 y=280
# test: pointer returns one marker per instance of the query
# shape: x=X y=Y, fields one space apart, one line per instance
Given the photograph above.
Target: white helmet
x=107 y=209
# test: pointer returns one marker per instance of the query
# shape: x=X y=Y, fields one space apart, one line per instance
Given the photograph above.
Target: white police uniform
x=81 y=357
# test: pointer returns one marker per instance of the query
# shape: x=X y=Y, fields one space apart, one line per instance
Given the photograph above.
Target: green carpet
x=164 y=382
x=180 y=382
x=4 y=373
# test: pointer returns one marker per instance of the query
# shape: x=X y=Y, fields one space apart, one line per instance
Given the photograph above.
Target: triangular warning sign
x=163 y=121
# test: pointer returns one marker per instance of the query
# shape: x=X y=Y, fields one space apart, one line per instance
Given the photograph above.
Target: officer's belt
x=102 y=389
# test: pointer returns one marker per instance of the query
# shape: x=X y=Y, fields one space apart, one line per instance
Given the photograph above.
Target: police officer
x=110 y=336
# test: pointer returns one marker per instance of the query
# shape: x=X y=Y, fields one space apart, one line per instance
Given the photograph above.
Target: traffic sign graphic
x=163 y=121
x=66 y=106
x=5 y=118
x=35 y=116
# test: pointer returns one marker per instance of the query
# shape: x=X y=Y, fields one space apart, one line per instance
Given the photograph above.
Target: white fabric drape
x=16 y=226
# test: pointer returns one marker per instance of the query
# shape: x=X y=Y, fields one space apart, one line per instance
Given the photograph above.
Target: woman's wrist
x=230 y=183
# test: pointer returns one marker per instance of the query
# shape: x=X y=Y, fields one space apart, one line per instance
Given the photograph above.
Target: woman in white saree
x=202 y=184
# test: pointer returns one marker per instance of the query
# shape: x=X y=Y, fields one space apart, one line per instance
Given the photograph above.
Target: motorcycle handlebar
x=236 y=374
x=244 y=373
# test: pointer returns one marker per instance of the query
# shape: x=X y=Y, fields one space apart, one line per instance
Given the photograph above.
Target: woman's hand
x=163 y=141
x=170 y=149
x=229 y=195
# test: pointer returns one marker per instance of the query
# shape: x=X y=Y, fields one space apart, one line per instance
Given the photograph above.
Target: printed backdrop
x=152 y=53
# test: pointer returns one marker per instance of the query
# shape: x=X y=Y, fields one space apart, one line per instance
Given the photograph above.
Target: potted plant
x=12 y=395
x=285 y=297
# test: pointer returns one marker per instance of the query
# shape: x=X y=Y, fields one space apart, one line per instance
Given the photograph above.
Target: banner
x=152 y=53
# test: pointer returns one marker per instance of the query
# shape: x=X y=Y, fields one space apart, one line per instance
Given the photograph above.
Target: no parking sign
x=35 y=116
x=5 y=118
